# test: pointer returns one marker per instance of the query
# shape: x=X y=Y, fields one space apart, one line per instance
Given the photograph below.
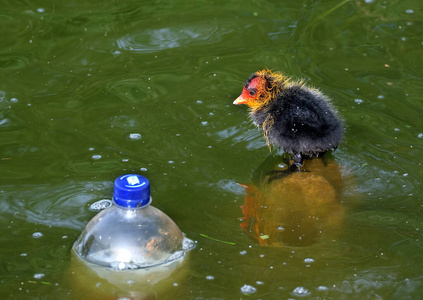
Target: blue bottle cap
x=131 y=191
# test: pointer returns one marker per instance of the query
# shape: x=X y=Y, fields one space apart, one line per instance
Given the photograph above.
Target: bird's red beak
x=240 y=100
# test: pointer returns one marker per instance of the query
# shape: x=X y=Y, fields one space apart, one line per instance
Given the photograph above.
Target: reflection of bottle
x=131 y=240
x=293 y=207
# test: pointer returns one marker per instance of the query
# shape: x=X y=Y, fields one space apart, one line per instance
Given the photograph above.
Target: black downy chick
x=296 y=118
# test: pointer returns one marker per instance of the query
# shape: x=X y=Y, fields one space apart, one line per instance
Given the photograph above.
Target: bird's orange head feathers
x=261 y=88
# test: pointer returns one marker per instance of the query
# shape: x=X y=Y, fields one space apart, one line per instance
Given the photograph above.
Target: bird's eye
x=252 y=92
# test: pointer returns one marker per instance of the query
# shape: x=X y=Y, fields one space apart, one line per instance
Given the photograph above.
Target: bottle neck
x=131 y=204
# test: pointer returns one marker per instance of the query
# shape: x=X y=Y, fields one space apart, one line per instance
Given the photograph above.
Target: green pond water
x=93 y=90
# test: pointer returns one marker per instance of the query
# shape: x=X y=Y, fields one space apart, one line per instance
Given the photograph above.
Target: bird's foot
x=298 y=160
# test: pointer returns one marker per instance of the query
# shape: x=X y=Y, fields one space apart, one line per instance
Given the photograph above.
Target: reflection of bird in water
x=296 y=118
x=288 y=207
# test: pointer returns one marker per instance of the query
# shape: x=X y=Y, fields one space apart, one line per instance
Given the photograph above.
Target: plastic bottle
x=131 y=234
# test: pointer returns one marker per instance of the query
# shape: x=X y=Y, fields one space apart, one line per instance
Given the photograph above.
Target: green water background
x=93 y=90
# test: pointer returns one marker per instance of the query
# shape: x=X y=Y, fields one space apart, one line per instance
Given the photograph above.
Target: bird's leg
x=323 y=159
x=280 y=173
x=294 y=166
x=298 y=160
x=277 y=174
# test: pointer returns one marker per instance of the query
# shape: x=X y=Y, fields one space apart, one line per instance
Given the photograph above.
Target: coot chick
x=294 y=117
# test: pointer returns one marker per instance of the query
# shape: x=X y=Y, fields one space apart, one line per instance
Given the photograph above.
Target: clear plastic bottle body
x=129 y=250
x=125 y=238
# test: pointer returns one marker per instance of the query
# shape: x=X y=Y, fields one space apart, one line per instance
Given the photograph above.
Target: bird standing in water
x=296 y=118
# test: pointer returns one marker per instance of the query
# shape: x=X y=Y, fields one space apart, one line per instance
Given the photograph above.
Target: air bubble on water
x=143 y=169
x=39 y=275
x=13 y=100
x=41 y=10
x=248 y=289
x=100 y=205
x=380 y=97
x=24 y=254
x=259 y=282
x=409 y=11
x=281 y=228
x=243 y=252
x=171 y=162
x=210 y=277
x=199 y=101
x=91 y=149
x=188 y=244
x=135 y=136
x=322 y=288
x=204 y=123
x=125 y=159
x=96 y=156
x=37 y=235
x=282 y=166
x=369 y=1
x=308 y=260
x=358 y=101
x=300 y=292
x=420 y=135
